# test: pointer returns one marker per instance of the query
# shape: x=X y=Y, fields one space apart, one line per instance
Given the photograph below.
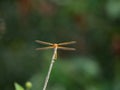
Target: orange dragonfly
x=55 y=45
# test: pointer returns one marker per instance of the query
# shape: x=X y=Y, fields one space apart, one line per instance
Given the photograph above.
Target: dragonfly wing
x=42 y=42
x=66 y=48
x=44 y=48
x=66 y=43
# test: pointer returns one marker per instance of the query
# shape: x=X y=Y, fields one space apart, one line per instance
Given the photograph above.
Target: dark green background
x=94 y=24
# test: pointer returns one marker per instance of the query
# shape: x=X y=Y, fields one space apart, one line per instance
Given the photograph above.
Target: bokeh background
x=94 y=24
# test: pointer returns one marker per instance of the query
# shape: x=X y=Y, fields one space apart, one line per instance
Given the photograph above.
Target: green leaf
x=18 y=87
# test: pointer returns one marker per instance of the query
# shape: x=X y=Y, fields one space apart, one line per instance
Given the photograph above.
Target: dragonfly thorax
x=55 y=45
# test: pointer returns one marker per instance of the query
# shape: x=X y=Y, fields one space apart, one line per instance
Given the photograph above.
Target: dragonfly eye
x=55 y=45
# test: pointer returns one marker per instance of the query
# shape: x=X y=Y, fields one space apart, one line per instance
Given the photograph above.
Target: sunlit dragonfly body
x=55 y=45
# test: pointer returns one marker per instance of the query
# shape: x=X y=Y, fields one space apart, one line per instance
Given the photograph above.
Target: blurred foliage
x=28 y=86
x=18 y=87
x=94 y=24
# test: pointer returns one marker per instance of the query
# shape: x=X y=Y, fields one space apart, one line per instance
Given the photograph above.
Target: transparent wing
x=42 y=42
x=66 y=48
x=66 y=43
x=44 y=48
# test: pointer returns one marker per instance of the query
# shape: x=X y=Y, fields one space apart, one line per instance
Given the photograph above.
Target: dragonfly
x=55 y=45
x=60 y=46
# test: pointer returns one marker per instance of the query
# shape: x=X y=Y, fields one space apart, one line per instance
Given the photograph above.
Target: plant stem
x=50 y=68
